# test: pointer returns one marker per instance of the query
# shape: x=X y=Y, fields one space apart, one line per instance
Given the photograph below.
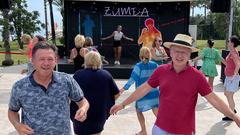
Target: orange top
x=30 y=47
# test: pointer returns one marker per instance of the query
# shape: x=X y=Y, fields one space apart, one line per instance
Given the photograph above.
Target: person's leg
x=119 y=51
x=155 y=111
x=141 y=120
x=230 y=99
x=210 y=81
x=231 y=103
x=115 y=54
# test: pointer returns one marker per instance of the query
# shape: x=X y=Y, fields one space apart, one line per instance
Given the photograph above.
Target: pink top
x=30 y=47
x=178 y=97
x=230 y=65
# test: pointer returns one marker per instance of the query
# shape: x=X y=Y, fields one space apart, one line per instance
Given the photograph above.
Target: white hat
x=182 y=40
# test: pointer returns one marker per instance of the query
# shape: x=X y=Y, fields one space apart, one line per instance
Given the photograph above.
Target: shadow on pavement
x=218 y=88
x=219 y=128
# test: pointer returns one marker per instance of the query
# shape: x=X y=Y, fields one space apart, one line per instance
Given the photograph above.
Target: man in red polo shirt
x=179 y=84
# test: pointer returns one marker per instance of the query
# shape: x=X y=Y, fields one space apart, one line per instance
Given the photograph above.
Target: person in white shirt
x=117 y=47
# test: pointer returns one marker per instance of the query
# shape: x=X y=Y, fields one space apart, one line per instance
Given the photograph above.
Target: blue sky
x=38 y=5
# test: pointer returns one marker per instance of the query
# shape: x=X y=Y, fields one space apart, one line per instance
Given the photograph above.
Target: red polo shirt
x=178 y=97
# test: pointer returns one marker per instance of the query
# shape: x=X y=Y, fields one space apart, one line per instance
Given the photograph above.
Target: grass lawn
x=218 y=44
x=18 y=59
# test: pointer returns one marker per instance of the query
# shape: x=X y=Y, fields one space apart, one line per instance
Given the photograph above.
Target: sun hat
x=182 y=40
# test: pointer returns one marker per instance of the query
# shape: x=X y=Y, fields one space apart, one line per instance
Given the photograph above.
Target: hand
x=115 y=109
x=24 y=71
x=122 y=90
x=70 y=61
x=81 y=115
x=144 y=30
x=131 y=39
x=165 y=58
x=21 y=50
x=23 y=129
x=237 y=120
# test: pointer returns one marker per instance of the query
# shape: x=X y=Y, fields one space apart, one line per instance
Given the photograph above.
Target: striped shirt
x=140 y=74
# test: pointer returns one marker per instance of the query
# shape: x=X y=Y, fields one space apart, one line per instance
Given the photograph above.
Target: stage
x=122 y=71
x=98 y=19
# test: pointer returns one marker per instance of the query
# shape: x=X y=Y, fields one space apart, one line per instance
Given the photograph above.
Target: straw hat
x=182 y=40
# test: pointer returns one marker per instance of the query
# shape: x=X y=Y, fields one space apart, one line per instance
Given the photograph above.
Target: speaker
x=220 y=6
x=5 y=4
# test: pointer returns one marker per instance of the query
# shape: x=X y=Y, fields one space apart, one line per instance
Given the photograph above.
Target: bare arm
x=131 y=39
x=218 y=103
x=237 y=64
x=140 y=39
x=223 y=61
x=81 y=114
x=138 y=93
x=117 y=96
x=157 y=58
x=197 y=58
x=22 y=129
x=110 y=36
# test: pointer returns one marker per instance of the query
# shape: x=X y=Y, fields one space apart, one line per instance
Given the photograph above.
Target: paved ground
x=125 y=123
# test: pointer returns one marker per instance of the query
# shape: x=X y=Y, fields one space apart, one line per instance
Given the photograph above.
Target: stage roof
x=134 y=0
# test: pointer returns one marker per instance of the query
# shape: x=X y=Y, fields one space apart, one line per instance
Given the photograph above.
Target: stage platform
x=122 y=71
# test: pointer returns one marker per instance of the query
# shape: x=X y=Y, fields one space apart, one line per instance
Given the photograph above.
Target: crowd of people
x=169 y=88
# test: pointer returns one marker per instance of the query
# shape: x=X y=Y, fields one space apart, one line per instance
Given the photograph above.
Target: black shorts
x=116 y=43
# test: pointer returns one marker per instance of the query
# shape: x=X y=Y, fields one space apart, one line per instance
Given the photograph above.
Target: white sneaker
x=115 y=62
x=118 y=62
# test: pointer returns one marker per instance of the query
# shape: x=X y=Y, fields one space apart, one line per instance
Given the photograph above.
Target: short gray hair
x=92 y=60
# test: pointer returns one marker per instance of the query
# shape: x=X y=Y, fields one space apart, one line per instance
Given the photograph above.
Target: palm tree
x=46 y=21
x=52 y=22
x=206 y=5
x=8 y=60
x=193 y=5
x=60 y=5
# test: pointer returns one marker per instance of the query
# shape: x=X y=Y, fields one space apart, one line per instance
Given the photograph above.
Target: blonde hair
x=79 y=40
x=92 y=60
x=145 y=54
x=26 y=38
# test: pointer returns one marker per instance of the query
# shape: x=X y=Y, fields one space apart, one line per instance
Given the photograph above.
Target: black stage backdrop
x=100 y=19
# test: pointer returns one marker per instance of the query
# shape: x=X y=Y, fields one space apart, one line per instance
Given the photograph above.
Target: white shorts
x=158 y=131
x=231 y=84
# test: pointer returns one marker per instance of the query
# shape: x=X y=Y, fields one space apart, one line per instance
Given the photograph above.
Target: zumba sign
x=126 y=11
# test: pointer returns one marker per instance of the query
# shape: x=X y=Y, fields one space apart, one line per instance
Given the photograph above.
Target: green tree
x=59 y=4
x=236 y=18
x=5 y=33
x=52 y=22
x=24 y=21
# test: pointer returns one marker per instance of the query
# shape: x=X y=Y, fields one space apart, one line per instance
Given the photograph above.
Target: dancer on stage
x=117 y=46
